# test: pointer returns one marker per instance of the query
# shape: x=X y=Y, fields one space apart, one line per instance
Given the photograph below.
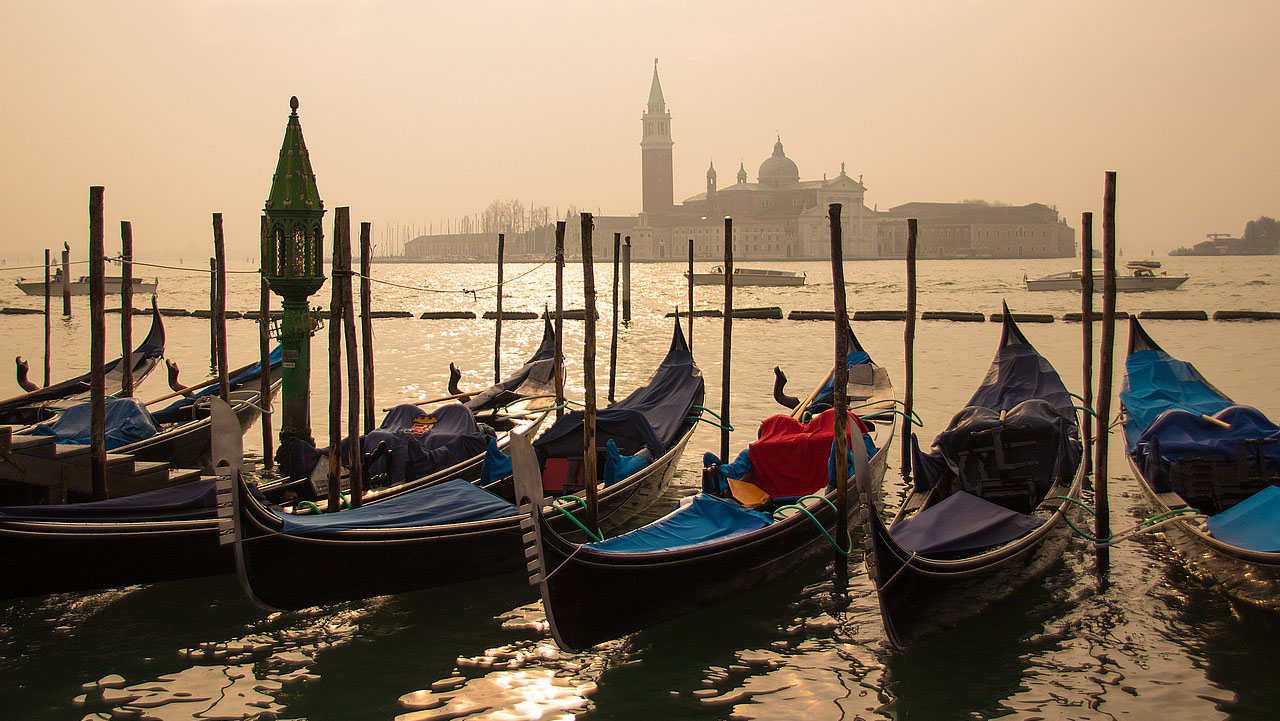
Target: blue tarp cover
x=422 y=443
x=1017 y=374
x=496 y=465
x=127 y=421
x=455 y=501
x=825 y=394
x=962 y=523
x=1154 y=382
x=698 y=519
x=650 y=417
x=1253 y=523
x=182 y=502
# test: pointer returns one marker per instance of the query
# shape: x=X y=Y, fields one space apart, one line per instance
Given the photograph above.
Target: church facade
x=779 y=216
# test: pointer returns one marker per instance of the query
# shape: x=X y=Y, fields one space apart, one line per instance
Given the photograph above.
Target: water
x=1149 y=638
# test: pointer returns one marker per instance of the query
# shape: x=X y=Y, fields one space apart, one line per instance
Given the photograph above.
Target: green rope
x=1079 y=398
x=568 y=514
x=816 y=522
x=1082 y=504
x=1086 y=410
x=308 y=504
x=704 y=409
x=1144 y=523
x=1085 y=536
x=721 y=426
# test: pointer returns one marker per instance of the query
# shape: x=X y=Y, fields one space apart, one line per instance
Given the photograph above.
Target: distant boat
x=112 y=285
x=749 y=276
x=1142 y=277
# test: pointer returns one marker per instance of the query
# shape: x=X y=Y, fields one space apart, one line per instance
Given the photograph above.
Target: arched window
x=280 y=252
x=298 y=253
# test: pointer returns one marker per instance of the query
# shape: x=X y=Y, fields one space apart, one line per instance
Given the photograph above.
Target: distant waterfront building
x=779 y=216
x=976 y=230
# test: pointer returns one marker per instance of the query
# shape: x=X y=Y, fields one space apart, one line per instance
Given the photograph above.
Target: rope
x=711 y=423
x=574 y=518
x=119 y=260
x=1146 y=525
x=465 y=291
x=796 y=507
x=52 y=264
x=1086 y=410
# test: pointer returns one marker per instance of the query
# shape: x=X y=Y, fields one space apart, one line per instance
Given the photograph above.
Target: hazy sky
x=417 y=111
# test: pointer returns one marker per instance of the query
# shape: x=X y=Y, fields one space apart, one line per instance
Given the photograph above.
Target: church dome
x=778 y=168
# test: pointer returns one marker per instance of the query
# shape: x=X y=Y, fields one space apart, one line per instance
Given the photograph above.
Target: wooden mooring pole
x=220 y=307
x=559 y=361
x=264 y=360
x=626 y=280
x=48 y=321
x=726 y=350
x=213 y=325
x=97 y=349
x=613 y=338
x=690 y=285
x=366 y=322
x=909 y=341
x=497 y=323
x=66 y=280
x=589 y=377
x=355 y=456
x=1102 y=517
x=340 y=217
x=1086 y=320
x=840 y=398
x=126 y=308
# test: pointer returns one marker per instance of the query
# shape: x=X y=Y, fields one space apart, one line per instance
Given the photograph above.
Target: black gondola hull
x=288 y=572
x=920 y=597
x=43 y=558
x=592 y=597
x=1250 y=577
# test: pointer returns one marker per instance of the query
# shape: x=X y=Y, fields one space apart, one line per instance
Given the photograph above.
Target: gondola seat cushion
x=455 y=501
x=424 y=442
x=618 y=466
x=962 y=523
x=1252 y=524
x=698 y=519
x=127 y=421
x=793 y=458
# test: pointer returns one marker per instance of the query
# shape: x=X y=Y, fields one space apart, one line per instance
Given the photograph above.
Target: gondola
x=456 y=531
x=1208 y=466
x=162 y=535
x=711 y=547
x=43 y=403
x=986 y=511
x=178 y=433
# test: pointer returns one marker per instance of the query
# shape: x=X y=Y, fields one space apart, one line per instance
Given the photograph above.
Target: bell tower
x=655 y=151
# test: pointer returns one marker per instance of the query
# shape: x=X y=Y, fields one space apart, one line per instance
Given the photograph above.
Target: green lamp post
x=292 y=262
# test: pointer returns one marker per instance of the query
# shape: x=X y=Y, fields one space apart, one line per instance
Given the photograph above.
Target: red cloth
x=790 y=458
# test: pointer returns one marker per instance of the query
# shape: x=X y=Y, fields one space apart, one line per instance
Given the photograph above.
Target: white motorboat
x=749 y=276
x=112 y=285
x=1142 y=277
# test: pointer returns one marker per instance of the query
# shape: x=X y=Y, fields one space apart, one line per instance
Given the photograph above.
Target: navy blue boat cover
x=422 y=443
x=236 y=380
x=1018 y=374
x=1180 y=434
x=455 y=501
x=187 y=501
x=1154 y=382
x=962 y=523
x=650 y=417
x=1253 y=523
x=698 y=519
x=127 y=421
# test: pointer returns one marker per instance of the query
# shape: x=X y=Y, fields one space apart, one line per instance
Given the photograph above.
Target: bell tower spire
x=655 y=151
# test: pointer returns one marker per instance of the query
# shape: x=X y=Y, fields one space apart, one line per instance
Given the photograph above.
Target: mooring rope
x=52 y=264
x=120 y=260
